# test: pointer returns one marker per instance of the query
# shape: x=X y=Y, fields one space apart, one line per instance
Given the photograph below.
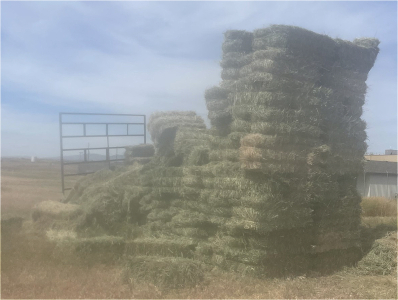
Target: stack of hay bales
x=270 y=189
x=174 y=223
x=297 y=100
x=236 y=54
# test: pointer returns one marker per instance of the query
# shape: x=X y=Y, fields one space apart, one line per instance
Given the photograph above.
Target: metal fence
x=86 y=150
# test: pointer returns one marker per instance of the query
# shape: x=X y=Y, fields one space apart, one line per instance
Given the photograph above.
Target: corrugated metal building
x=379 y=179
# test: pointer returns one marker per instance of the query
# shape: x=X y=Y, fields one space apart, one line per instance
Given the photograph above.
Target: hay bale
x=166 y=247
x=235 y=60
x=142 y=150
x=165 y=272
x=237 y=41
x=56 y=210
x=163 y=126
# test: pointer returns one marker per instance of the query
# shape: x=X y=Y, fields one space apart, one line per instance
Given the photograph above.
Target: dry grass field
x=32 y=267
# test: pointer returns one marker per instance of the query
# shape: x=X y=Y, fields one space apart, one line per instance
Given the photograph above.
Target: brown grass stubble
x=32 y=268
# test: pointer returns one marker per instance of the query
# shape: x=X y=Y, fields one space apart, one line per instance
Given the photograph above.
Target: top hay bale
x=163 y=126
x=357 y=56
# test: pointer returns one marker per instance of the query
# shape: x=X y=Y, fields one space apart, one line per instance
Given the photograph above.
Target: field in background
x=32 y=267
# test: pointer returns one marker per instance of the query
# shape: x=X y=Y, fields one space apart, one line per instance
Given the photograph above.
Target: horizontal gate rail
x=85 y=135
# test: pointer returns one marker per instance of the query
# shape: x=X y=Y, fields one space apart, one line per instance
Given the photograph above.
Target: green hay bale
x=336 y=239
x=237 y=41
x=357 y=56
x=288 y=67
x=263 y=114
x=165 y=272
x=230 y=74
x=215 y=169
x=237 y=35
x=220 y=197
x=161 y=125
x=188 y=139
x=241 y=126
x=235 y=183
x=137 y=160
x=56 y=210
x=220 y=118
x=334 y=260
x=262 y=82
x=291 y=128
x=275 y=242
x=224 y=155
x=216 y=93
x=253 y=154
x=142 y=150
x=100 y=245
x=192 y=219
x=272 y=219
x=199 y=156
x=195 y=233
x=77 y=191
x=241 y=46
x=167 y=247
x=218 y=104
x=296 y=40
x=231 y=141
x=294 y=143
x=235 y=60
x=201 y=207
x=310 y=99
x=161 y=214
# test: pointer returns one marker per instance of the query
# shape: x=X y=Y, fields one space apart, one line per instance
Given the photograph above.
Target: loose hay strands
x=381 y=259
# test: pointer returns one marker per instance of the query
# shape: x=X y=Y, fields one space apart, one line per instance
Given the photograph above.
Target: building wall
x=378 y=185
x=393 y=158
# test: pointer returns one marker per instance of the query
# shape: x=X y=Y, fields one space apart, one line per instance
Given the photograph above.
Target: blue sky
x=141 y=57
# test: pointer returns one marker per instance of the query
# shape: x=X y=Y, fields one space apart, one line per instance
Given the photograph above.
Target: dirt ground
x=32 y=268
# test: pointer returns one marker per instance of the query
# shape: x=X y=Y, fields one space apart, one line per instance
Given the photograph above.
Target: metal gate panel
x=87 y=149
